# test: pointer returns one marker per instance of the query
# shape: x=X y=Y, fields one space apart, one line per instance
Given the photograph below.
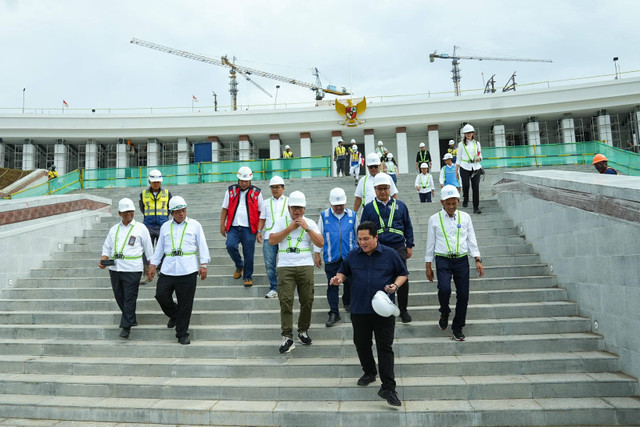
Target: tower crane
x=455 y=63
x=244 y=71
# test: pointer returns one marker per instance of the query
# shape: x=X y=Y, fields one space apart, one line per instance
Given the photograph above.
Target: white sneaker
x=271 y=294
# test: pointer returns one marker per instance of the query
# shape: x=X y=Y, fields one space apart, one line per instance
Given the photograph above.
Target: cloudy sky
x=79 y=50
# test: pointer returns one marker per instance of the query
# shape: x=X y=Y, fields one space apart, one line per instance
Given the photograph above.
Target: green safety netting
x=61 y=185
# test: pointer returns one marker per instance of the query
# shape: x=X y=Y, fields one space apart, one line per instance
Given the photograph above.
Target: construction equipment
x=455 y=62
x=245 y=71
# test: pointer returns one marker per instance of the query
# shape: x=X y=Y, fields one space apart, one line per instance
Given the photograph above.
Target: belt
x=452 y=256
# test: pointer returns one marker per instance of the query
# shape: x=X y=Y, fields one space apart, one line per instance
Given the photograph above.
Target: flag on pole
x=194 y=98
x=65 y=103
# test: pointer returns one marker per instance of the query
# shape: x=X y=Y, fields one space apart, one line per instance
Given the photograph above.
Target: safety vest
x=340 y=151
x=423 y=156
x=355 y=157
x=178 y=251
x=452 y=252
x=156 y=208
x=452 y=151
x=280 y=215
x=295 y=248
x=470 y=158
x=424 y=184
x=391 y=167
x=339 y=234
x=387 y=228
x=450 y=175
x=52 y=175
x=287 y=154
x=252 y=206
x=120 y=255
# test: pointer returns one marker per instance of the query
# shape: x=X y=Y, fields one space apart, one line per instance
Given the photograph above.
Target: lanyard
x=469 y=159
x=446 y=238
x=174 y=251
x=299 y=240
x=115 y=243
x=425 y=185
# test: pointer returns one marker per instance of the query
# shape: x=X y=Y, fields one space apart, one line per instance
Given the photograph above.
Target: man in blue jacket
x=394 y=229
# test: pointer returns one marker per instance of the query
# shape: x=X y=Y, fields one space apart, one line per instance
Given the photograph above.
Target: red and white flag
x=194 y=98
x=65 y=103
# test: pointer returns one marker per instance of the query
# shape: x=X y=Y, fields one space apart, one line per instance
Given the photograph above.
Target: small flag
x=194 y=98
x=65 y=103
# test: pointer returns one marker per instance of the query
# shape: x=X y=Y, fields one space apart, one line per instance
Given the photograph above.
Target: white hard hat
x=337 y=196
x=126 y=205
x=244 y=173
x=424 y=165
x=382 y=179
x=451 y=142
x=297 y=199
x=176 y=203
x=447 y=156
x=353 y=141
x=340 y=140
x=276 y=180
x=383 y=306
x=380 y=143
x=286 y=146
x=354 y=147
x=373 y=159
x=155 y=176
x=468 y=128
x=449 y=191
x=389 y=156
x=421 y=145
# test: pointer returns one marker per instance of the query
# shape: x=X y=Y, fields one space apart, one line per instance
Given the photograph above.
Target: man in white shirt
x=181 y=241
x=126 y=242
x=295 y=234
x=450 y=237
x=275 y=208
x=365 y=185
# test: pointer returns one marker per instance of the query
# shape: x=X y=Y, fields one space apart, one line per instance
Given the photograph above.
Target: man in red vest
x=240 y=223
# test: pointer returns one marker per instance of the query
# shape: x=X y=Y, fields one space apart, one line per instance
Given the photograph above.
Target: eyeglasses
x=381 y=188
x=297 y=208
x=373 y=166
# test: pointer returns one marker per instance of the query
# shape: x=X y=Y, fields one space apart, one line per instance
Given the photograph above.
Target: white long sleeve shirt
x=369 y=191
x=194 y=241
x=466 y=159
x=132 y=241
x=425 y=182
x=274 y=209
x=436 y=243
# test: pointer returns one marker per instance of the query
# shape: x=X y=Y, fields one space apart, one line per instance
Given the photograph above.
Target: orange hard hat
x=598 y=158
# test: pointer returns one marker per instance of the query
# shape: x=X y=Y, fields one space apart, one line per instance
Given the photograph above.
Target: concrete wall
x=587 y=227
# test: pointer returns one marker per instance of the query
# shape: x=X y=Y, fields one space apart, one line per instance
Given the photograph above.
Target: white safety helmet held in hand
x=286 y=147
x=447 y=156
x=244 y=173
x=155 y=176
x=424 y=165
x=276 y=180
x=468 y=128
x=297 y=198
x=373 y=159
x=354 y=147
x=449 y=191
x=451 y=142
x=383 y=306
x=380 y=143
x=389 y=156
x=421 y=145
x=176 y=203
x=337 y=196
x=126 y=205
x=382 y=179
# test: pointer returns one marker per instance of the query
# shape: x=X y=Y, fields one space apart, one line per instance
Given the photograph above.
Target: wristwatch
x=479 y=260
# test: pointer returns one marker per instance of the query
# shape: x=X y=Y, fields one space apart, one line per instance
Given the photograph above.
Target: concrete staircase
x=529 y=358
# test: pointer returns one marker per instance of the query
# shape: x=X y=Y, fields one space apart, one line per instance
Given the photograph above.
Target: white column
x=336 y=136
x=401 y=150
x=274 y=146
x=122 y=157
x=369 y=142
x=604 y=129
x=183 y=151
x=91 y=155
x=153 y=153
x=60 y=158
x=533 y=133
x=635 y=133
x=499 y=136
x=215 y=149
x=433 y=135
x=305 y=144
x=568 y=130
x=2 y=151
x=28 y=156
x=244 y=148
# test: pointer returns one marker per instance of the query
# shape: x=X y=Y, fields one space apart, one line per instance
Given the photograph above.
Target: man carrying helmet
x=338 y=226
x=340 y=156
x=373 y=267
x=287 y=153
x=240 y=223
x=469 y=167
x=450 y=239
x=275 y=209
x=394 y=230
x=601 y=164
x=181 y=241
x=365 y=185
x=154 y=205
x=423 y=156
x=356 y=159
x=126 y=242
x=295 y=234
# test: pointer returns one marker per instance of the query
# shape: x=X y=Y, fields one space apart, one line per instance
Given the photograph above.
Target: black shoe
x=458 y=335
x=124 y=333
x=366 y=379
x=134 y=324
x=465 y=204
x=477 y=211
x=333 y=319
x=391 y=397
x=304 y=338
x=171 y=323
x=405 y=316
x=444 y=321
x=287 y=345
x=347 y=308
x=184 y=340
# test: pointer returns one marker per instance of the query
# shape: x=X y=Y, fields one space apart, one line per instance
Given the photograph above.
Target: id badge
x=132 y=240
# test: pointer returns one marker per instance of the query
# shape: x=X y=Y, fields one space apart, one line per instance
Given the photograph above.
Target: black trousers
x=125 y=289
x=364 y=327
x=458 y=269
x=403 y=291
x=341 y=166
x=185 y=289
x=465 y=175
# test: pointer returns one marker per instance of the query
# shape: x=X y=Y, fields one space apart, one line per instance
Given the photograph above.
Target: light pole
x=276 y=98
x=615 y=66
x=23 y=91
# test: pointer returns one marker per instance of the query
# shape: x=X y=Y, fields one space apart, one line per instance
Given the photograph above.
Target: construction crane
x=245 y=71
x=455 y=62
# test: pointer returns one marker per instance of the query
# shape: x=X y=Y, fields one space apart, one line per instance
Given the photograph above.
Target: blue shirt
x=401 y=221
x=370 y=274
x=611 y=171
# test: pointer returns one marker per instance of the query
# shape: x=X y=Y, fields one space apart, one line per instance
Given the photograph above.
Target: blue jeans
x=242 y=235
x=270 y=253
x=394 y=177
x=458 y=268
x=333 y=292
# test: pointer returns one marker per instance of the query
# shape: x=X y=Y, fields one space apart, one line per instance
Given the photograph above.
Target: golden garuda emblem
x=351 y=111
